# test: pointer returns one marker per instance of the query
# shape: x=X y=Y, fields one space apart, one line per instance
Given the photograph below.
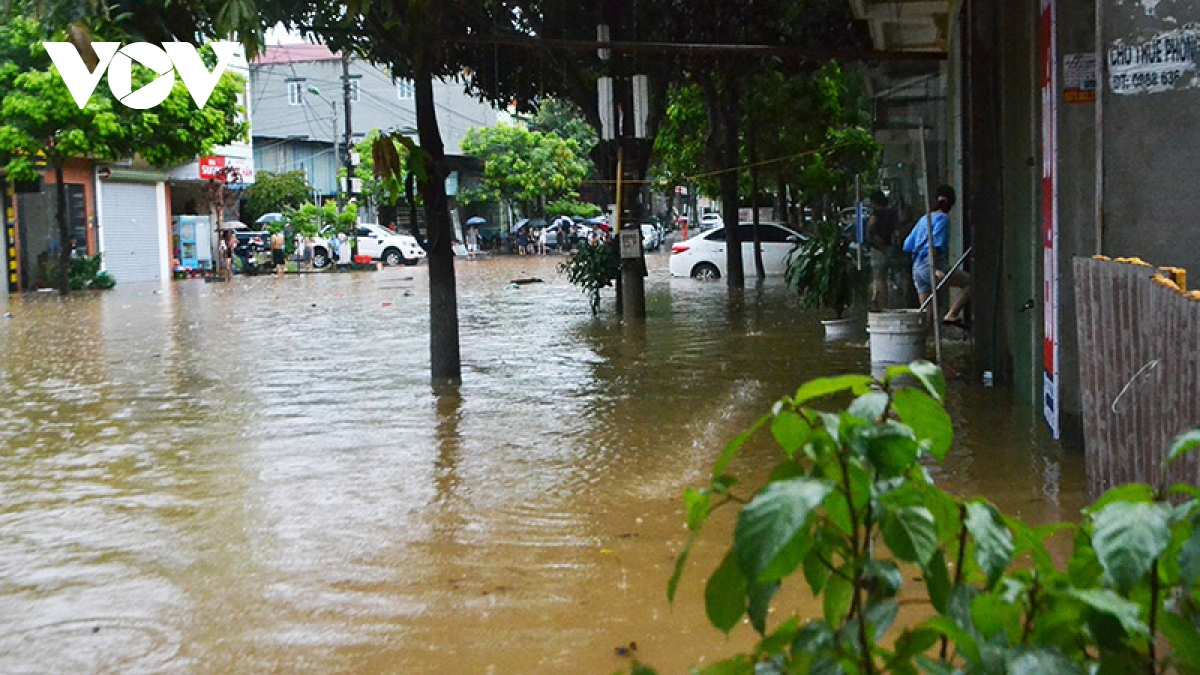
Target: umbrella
x=603 y=226
x=519 y=224
x=476 y=220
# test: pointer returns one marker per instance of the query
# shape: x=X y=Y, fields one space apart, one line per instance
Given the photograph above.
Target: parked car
x=710 y=220
x=378 y=242
x=554 y=231
x=848 y=221
x=703 y=256
x=652 y=238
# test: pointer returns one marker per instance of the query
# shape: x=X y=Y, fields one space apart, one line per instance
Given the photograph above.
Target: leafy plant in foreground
x=851 y=510
x=591 y=267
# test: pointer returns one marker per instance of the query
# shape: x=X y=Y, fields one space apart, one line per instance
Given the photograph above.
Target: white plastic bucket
x=897 y=336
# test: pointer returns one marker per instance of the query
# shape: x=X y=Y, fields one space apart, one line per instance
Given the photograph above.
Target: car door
x=368 y=243
x=776 y=243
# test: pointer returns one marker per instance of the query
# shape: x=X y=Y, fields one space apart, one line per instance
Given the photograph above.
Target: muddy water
x=256 y=477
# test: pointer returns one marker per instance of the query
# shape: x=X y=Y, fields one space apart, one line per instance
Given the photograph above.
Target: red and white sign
x=1049 y=83
x=211 y=167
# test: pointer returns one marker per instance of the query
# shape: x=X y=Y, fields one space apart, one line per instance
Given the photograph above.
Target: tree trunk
x=64 y=232
x=723 y=104
x=445 y=360
x=759 y=271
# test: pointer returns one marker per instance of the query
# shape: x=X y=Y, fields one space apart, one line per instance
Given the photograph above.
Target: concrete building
x=1068 y=128
x=299 y=110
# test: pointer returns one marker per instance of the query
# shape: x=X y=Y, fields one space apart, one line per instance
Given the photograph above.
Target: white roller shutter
x=130 y=232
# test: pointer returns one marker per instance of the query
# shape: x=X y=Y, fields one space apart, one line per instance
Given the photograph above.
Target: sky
x=281 y=36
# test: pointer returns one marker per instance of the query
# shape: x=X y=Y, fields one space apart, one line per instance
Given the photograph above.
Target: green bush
x=591 y=267
x=851 y=502
x=823 y=271
x=85 y=273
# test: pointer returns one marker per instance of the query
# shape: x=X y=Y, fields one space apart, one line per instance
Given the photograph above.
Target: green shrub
x=851 y=502
x=85 y=273
x=591 y=267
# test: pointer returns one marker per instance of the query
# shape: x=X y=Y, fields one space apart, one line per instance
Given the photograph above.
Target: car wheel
x=320 y=258
x=392 y=257
x=706 y=271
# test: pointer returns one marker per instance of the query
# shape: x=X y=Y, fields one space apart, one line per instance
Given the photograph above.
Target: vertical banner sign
x=1049 y=80
x=10 y=238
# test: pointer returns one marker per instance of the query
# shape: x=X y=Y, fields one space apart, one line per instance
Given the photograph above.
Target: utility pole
x=348 y=157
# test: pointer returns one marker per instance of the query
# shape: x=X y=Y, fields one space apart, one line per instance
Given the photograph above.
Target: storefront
x=134 y=224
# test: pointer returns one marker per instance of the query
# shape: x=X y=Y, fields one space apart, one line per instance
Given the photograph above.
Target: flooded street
x=256 y=476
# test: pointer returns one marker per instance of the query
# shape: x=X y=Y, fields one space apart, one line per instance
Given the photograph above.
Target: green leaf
x=1106 y=602
x=789 y=559
x=1084 y=568
x=910 y=533
x=993 y=615
x=913 y=642
x=790 y=431
x=937 y=580
x=1185 y=489
x=883 y=578
x=838 y=594
x=680 y=561
x=736 y=444
x=880 y=615
x=697 y=503
x=769 y=522
x=782 y=638
x=1189 y=559
x=1039 y=661
x=1127 y=537
x=1129 y=492
x=725 y=594
x=931 y=377
x=760 y=603
x=870 y=407
x=1184 y=639
x=813 y=389
x=932 y=667
x=1183 y=444
x=993 y=542
x=813 y=638
x=742 y=664
x=966 y=645
x=816 y=572
x=928 y=420
x=891 y=448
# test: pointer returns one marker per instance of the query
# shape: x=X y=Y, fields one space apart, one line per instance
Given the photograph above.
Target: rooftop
x=295 y=53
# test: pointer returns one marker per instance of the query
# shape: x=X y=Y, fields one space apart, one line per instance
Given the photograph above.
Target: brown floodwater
x=257 y=477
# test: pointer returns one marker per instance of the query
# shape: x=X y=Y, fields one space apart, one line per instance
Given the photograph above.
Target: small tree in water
x=591 y=267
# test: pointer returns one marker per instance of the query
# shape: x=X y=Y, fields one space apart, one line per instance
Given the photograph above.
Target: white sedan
x=703 y=256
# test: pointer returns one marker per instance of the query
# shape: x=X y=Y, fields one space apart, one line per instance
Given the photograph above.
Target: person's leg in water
x=962 y=281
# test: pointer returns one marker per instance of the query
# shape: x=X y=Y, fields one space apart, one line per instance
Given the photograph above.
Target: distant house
x=299 y=111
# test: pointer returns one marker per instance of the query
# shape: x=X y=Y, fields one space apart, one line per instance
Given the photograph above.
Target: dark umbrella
x=476 y=220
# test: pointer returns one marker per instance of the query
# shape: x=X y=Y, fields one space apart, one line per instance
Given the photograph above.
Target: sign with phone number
x=1164 y=62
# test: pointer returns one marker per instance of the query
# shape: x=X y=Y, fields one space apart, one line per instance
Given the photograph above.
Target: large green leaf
x=725 y=594
x=993 y=542
x=857 y=384
x=735 y=445
x=910 y=533
x=1106 y=602
x=680 y=562
x=1039 y=661
x=742 y=664
x=1184 y=639
x=937 y=580
x=697 y=503
x=790 y=431
x=870 y=407
x=963 y=641
x=816 y=571
x=839 y=593
x=1127 y=537
x=1189 y=559
x=928 y=420
x=1183 y=444
x=880 y=615
x=1129 y=492
x=769 y=522
x=891 y=448
x=760 y=604
x=931 y=377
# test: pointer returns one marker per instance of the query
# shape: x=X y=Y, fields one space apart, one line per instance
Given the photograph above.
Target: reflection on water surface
x=256 y=476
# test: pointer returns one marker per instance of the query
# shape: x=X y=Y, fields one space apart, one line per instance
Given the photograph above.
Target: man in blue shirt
x=917 y=244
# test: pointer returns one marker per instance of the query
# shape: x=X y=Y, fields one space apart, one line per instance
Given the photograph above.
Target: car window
x=716 y=235
x=766 y=233
x=365 y=232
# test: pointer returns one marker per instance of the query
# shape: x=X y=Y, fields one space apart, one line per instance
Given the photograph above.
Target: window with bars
x=405 y=89
x=295 y=93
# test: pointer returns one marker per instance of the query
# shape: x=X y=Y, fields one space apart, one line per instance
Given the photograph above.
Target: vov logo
x=173 y=57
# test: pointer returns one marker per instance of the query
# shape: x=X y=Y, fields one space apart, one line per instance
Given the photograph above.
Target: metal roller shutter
x=130 y=231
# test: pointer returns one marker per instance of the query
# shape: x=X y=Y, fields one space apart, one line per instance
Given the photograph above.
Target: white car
x=703 y=256
x=711 y=220
x=380 y=243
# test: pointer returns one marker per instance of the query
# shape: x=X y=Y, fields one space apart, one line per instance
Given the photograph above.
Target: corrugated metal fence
x=1139 y=362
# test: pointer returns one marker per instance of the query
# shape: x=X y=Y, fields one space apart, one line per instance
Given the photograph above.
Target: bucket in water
x=897 y=336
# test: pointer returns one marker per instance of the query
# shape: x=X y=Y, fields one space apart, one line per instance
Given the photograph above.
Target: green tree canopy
x=273 y=192
x=524 y=168
x=40 y=121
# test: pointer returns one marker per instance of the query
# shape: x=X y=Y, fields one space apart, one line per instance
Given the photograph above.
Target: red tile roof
x=297 y=53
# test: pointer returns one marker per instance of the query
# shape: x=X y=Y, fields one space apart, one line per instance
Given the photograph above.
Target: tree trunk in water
x=723 y=105
x=64 y=232
x=760 y=272
x=445 y=360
